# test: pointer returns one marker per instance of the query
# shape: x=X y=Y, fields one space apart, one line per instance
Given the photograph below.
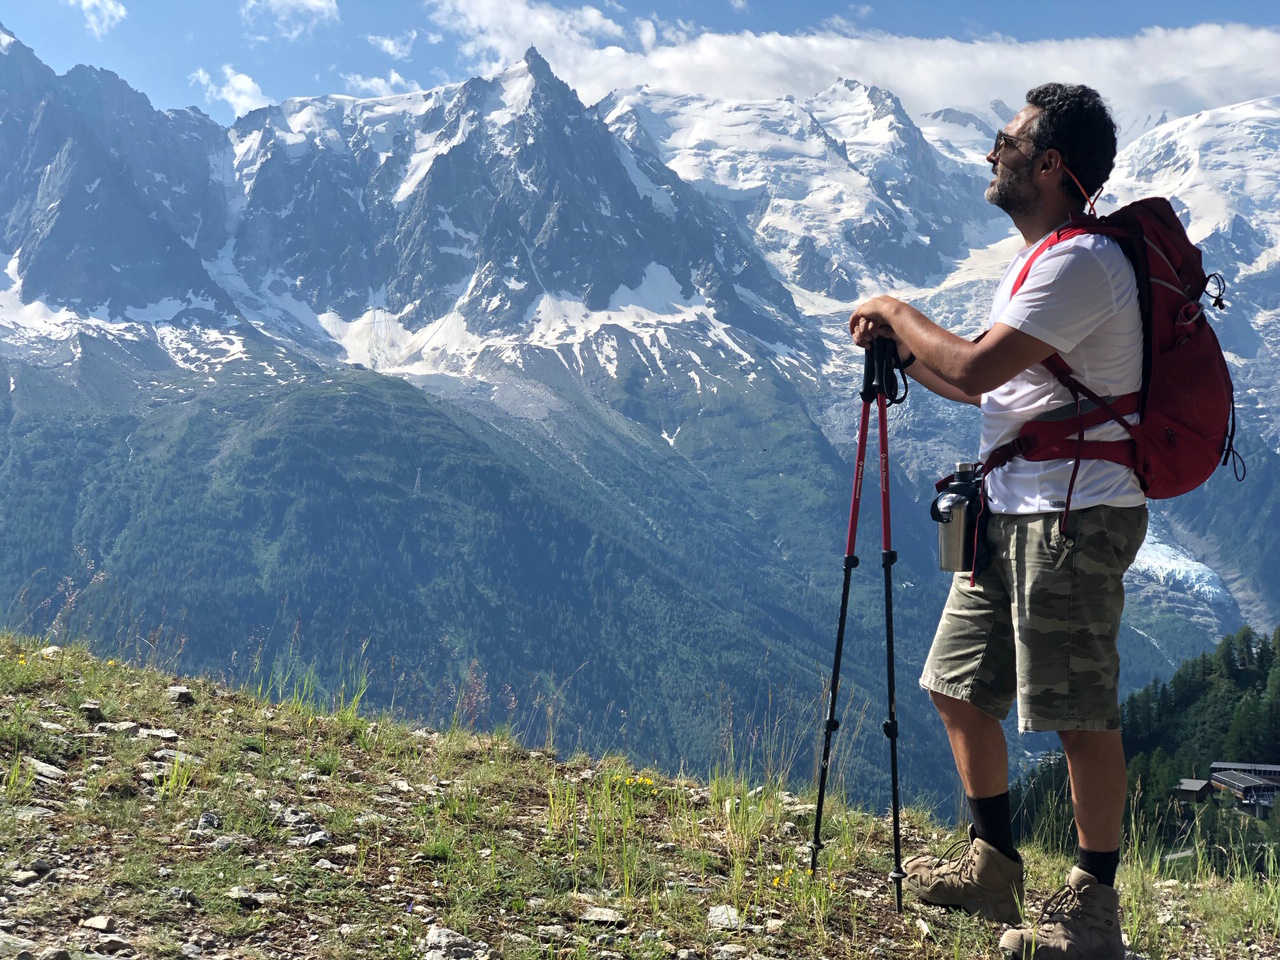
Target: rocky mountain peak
x=20 y=69
x=536 y=63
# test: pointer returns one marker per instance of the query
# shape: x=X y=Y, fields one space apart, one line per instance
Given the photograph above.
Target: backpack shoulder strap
x=1076 y=227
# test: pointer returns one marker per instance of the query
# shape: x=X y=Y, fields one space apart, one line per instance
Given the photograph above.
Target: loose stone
x=11 y=946
x=603 y=915
x=723 y=917
x=243 y=896
x=446 y=944
x=125 y=727
x=46 y=770
x=158 y=733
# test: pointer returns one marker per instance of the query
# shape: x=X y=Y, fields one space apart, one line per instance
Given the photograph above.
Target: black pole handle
x=880 y=373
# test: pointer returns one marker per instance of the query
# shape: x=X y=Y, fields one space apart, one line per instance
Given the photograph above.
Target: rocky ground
x=148 y=816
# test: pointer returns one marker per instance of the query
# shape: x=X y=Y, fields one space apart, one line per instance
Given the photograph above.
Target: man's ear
x=1050 y=161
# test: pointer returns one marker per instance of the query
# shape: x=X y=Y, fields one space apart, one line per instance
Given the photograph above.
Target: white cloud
x=100 y=15
x=398 y=48
x=378 y=86
x=647 y=33
x=493 y=33
x=1181 y=70
x=239 y=90
x=739 y=5
x=291 y=18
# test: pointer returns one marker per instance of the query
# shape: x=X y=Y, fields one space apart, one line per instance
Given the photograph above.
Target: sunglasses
x=1005 y=139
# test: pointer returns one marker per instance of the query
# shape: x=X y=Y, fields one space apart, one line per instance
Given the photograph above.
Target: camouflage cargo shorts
x=1040 y=622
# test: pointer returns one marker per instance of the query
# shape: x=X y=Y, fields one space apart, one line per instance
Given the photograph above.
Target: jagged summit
x=535 y=61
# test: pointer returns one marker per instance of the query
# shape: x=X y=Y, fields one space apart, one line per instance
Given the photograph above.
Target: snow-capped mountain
x=464 y=208
x=841 y=191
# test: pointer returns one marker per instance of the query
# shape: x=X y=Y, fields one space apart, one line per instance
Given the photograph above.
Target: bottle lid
x=969 y=468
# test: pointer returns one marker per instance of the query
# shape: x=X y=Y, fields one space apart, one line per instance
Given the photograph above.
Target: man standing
x=1039 y=623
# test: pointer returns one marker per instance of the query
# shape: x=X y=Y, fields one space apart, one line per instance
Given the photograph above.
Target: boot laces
x=1063 y=905
x=949 y=863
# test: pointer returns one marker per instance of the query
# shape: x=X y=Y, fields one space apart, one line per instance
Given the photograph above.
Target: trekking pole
x=888 y=557
x=877 y=375
x=850 y=561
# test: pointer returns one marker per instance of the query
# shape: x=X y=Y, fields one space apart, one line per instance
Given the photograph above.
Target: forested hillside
x=1219 y=706
x=1223 y=705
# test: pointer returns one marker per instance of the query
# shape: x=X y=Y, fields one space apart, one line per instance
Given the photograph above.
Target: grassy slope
x=472 y=832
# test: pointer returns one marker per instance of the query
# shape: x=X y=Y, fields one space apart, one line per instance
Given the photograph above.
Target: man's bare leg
x=978 y=745
x=1095 y=759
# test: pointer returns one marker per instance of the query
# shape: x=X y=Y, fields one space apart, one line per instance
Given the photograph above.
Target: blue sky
x=229 y=56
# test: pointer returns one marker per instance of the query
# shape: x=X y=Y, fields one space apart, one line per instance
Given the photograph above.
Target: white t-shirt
x=1080 y=297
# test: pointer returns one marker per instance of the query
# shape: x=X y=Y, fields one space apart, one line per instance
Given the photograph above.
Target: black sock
x=991 y=822
x=1101 y=865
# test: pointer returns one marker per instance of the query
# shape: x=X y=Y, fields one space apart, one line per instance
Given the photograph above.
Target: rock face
x=108 y=202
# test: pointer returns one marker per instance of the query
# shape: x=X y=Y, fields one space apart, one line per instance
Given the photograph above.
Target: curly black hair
x=1075 y=121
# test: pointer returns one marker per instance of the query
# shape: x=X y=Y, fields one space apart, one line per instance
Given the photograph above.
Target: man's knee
x=960 y=713
x=1091 y=742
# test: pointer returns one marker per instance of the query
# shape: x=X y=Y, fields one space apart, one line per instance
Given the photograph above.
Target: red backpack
x=1186 y=404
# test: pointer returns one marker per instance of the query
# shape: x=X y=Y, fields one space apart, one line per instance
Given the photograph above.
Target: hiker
x=1039 y=622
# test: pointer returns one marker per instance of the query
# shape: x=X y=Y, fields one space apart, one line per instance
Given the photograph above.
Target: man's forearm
x=928 y=378
x=946 y=357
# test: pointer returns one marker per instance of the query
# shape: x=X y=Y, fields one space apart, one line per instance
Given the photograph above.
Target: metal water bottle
x=956 y=511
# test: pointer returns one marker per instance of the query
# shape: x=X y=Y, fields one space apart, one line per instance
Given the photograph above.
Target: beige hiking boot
x=980 y=880
x=1079 y=922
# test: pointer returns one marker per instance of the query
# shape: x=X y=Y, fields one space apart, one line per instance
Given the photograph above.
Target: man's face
x=1012 y=160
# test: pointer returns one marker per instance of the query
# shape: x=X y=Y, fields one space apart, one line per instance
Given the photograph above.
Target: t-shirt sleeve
x=1067 y=295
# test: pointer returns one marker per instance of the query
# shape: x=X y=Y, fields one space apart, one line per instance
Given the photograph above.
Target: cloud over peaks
x=393 y=83
x=1157 y=70
x=291 y=18
x=100 y=15
x=239 y=90
x=398 y=48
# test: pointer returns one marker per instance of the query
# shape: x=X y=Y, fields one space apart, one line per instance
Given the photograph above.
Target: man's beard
x=1012 y=191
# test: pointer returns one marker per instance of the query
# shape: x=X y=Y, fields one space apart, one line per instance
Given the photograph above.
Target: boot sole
x=985 y=911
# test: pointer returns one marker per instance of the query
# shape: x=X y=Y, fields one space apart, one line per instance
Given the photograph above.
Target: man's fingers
x=863 y=330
